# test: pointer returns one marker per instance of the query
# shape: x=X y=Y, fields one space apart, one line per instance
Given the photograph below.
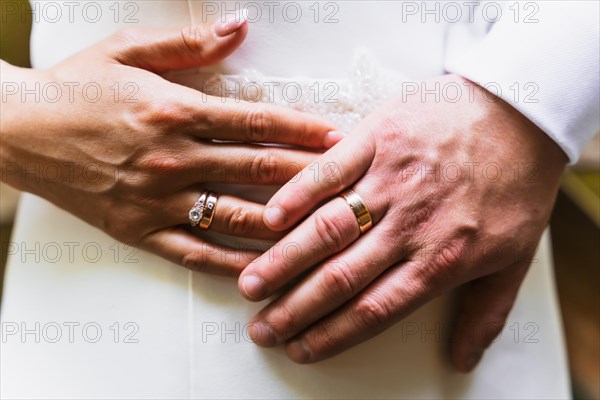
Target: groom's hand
x=458 y=192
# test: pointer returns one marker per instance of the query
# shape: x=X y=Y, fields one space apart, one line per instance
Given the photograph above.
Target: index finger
x=231 y=119
x=331 y=173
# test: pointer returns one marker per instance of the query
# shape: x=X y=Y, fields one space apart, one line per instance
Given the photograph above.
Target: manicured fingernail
x=298 y=351
x=473 y=359
x=254 y=287
x=332 y=138
x=262 y=334
x=275 y=216
x=231 y=24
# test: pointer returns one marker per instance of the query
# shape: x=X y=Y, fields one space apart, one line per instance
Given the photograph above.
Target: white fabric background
x=171 y=306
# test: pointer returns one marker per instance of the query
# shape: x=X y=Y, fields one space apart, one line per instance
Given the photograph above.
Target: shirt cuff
x=548 y=70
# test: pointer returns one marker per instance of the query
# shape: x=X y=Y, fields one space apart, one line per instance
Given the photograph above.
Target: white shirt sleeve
x=542 y=58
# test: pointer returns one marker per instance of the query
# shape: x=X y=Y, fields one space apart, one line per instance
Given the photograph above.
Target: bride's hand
x=458 y=192
x=128 y=151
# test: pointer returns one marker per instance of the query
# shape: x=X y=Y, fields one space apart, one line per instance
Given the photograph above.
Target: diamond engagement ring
x=197 y=211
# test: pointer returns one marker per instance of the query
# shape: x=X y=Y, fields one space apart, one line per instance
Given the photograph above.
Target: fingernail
x=231 y=24
x=262 y=334
x=473 y=359
x=275 y=216
x=332 y=138
x=254 y=287
x=298 y=351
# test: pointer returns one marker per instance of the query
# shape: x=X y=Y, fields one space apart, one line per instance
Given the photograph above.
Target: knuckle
x=161 y=164
x=192 y=262
x=298 y=193
x=126 y=35
x=264 y=166
x=323 y=337
x=430 y=279
x=120 y=44
x=136 y=185
x=164 y=112
x=334 y=176
x=259 y=124
x=449 y=255
x=195 y=260
x=240 y=221
x=192 y=39
x=373 y=312
x=338 y=281
x=283 y=321
x=426 y=282
x=329 y=232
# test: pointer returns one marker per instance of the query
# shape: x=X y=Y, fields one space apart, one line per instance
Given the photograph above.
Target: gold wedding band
x=360 y=210
x=209 y=210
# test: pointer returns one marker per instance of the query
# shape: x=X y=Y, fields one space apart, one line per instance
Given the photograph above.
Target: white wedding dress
x=85 y=317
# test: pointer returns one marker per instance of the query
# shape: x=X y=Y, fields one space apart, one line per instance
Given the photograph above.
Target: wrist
x=529 y=143
x=18 y=109
x=543 y=146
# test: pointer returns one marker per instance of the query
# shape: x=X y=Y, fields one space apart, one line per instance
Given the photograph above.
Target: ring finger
x=328 y=231
x=232 y=216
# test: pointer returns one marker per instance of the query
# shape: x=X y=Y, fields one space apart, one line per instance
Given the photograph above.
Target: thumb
x=486 y=304
x=160 y=51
